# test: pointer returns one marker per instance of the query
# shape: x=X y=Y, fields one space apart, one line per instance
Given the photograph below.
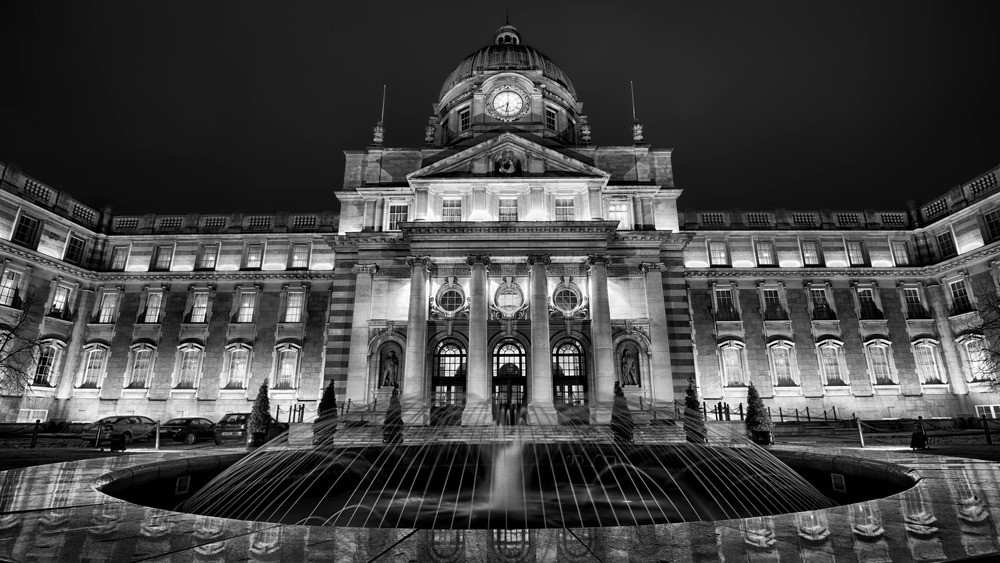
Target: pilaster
x=660 y=375
x=414 y=395
x=600 y=311
x=358 y=386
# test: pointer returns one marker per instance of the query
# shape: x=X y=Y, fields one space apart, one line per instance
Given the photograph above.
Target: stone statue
x=630 y=369
x=637 y=132
x=585 y=133
x=390 y=369
x=429 y=131
x=378 y=134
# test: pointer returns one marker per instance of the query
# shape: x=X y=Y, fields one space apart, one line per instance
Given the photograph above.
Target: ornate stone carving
x=637 y=132
x=372 y=269
x=543 y=259
x=593 y=259
x=584 y=132
x=448 y=310
x=478 y=259
x=647 y=266
x=378 y=134
x=507 y=164
x=513 y=304
x=429 y=130
x=412 y=261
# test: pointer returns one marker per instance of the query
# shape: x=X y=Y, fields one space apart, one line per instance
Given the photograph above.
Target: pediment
x=507 y=156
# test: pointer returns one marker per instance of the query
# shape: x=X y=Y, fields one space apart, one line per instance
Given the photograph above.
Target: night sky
x=172 y=107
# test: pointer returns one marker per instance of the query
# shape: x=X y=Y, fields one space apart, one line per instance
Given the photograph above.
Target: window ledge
x=134 y=393
x=936 y=388
x=787 y=391
x=886 y=389
x=87 y=392
x=42 y=391
x=184 y=392
x=979 y=386
x=837 y=389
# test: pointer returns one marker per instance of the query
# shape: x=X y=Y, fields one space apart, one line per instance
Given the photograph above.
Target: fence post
x=704 y=410
x=808 y=418
x=156 y=429
x=727 y=412
x=97 y=440
x=834 y=409
x=986 y=426
x=34 y=435
x=861 y=435
x=741 y=411
x=797 y=415
x=769 y=413
x=920 y=423
x=781 y=414
x=824 y=417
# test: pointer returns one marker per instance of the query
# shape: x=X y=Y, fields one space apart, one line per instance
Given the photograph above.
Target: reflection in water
x=869 y=540
x=974 y=522
x=922 y=535
x=264 y=544
x=446 y=546
x=512 y=545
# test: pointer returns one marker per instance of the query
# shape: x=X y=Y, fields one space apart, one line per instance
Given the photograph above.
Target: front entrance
x=510 y=386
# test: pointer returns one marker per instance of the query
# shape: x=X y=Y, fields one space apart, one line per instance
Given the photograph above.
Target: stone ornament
x=637 y=132
x=372 y=269
x=429 y=131
x=378 y=134
x=543 y=259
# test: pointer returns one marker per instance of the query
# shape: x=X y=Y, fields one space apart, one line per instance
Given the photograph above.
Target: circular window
x=451 y=300
x=509 y=300
x=566 y=299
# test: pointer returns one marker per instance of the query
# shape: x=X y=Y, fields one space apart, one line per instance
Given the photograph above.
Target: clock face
x=507 y=102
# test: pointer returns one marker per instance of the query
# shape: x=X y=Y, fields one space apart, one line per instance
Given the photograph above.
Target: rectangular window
x=239 y=361
x=992 y=223
x=866 y=301
x=732 y=366
x=914 y=307
x=190 y=362
x=92 y=368
x=464 y=119
x=9 y=285
x=142 y=360
x=822 y=311
x=287 y=365
x=161 y=257
x=254 y=257
x=45 y=365
x=774 y=310
x=960 y=302
x=856 y=253
x=718 y=253
x=119 y=256
x=154 y=302
x=782 y=365
x=26 y=231
x=397 y=214
x=810 y=253
x=900 y=253
x=199 y=308
x=765 y=253
x=619 y=211
x=725 y=306
x=564 y=209
x=508 y=209
x=245 y=312
x=550 y=119
x=293 y=307
x=74 y=249
x=830 y=365
x=879 y=359
x=451 y=210
x=300 y=256
x=927 y=366
x=946 y=243
x=60 y=301
x=978 y=360
x=109 y=302
x=208 y=256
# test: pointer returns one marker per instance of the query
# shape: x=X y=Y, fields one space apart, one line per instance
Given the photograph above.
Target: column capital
x=412 y=261
x=474 y=259
x=647 y=266
x=543 y=259
x=595 y=259
x=370 y=268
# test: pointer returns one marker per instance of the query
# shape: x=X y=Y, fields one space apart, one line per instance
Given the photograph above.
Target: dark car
x=188 y=430
x=132 y=427
x=233 y=427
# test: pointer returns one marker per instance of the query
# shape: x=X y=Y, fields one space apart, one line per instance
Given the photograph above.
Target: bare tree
x=988 y=326
x=19 y=347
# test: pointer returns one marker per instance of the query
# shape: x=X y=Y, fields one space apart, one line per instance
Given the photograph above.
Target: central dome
x=507 y=53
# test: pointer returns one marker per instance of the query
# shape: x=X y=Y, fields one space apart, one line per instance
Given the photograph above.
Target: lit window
x=830 y=358
x=451 y=300
x=718 y=253
x=238 y=364
x=60 y=302
x=154 y=303
x=190 y=365
x=199 y=307
x=109 y=302
x=992 y=223
x=451 y=210
x=509 y=299
x=142 y=363
x=569 y=359
x=566 y=299
x=208 y=256
x=856 y=253
x=733 y=372
x=93 y=367
x=781 y=364
x=946 y=242
x=508 y=209
x=925 y=354
x=619 y=211
x=161 y=257
x=464 y=119
x=774 y=309
x=246 y=305
x=725 y=306
x=45 y=366
x=900 y=253
x=765 y=253
x=300 y=256
x=74 y=249
x=877 y=352
x=254 y=257
x=449 y=361
x=397 y=214
x=9 y=285
x=550 y=119
x=960 y=301
x=119 y=256
x=293 y=307
x=565 y=209
x=810 y=253
x=26 y=231
x=287 y=368
x=822 y=311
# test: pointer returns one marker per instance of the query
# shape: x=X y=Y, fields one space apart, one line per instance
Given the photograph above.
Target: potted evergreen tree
x=392 y=428
x=326 y=416
x=260 y=419
x=621 y=417
x=694 y=424
x=758 y=419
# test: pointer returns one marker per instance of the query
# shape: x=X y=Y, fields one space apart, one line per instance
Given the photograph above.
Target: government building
x=506 y=262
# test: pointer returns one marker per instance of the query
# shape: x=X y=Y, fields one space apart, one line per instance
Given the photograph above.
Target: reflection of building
x=506 y=261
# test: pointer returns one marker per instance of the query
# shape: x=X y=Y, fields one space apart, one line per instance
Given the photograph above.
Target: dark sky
x=173 y=107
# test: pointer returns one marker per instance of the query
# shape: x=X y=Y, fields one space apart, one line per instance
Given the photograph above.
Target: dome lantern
x=507 y=35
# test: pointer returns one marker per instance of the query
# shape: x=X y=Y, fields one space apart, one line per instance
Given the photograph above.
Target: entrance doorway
x=510 y=386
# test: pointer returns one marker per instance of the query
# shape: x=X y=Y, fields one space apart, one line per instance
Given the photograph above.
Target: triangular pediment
x=507 y=156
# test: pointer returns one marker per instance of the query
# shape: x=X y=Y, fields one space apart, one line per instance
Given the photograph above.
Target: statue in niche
x=390 y=369
x=630 y=367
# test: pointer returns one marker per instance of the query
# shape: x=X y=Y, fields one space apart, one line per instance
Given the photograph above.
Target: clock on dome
x=507 y=102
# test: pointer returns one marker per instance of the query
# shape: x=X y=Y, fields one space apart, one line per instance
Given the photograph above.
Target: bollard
x=741 y=411
x=727 y=412
x=920 y=423
x=986 y=425
x=34 y=435
x=824 y=417
x=861 y=435
x=797 y=415
x=156 y=428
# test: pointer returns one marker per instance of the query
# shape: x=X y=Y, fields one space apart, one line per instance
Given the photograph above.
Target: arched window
x=237 y=366
x=878 y=351
x=925 y=354
x=784 y=372
x=733 y=362
x=831 y=363
x=141 y=367
x=45 y=367
x=508 y=354
x=286 y=366
x=568 y=360
x=449 y=360
x=977 y=357
x=95 y=357
x=189 y=358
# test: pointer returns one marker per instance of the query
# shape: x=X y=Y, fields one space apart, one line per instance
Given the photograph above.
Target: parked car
x=132 y=427
x=188 y=430
x=233 y=427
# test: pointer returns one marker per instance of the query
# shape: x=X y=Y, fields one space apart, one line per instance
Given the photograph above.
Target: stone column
x=477 y=371
x=661 y=379
x=949 y=348
x=540 y=381
x=600 y=329
x=414 y=389
x=358 y=386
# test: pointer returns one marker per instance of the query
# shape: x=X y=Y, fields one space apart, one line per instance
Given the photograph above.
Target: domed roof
x=507 y=54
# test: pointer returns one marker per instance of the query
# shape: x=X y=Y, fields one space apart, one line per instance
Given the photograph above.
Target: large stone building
x=507 y=261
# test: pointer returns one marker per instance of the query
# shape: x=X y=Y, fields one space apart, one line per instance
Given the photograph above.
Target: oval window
x=509 y=300
x=566 y=300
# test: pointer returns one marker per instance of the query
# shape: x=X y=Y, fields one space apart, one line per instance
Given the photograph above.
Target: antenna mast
x=632 y=90
x=381 y=117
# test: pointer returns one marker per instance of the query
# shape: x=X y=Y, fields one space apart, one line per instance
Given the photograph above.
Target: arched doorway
x=510 y=384
x=448 y=382
x=569 y=382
